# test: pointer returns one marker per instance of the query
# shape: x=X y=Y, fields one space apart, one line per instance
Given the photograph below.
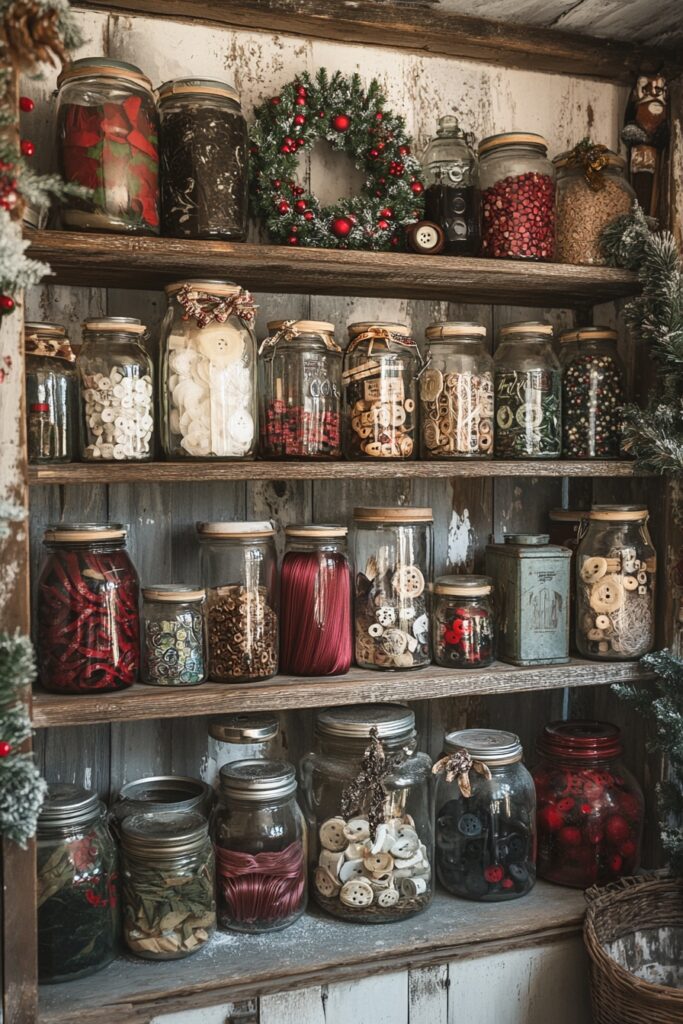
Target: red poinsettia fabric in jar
x=108 y=130
x=590 y=808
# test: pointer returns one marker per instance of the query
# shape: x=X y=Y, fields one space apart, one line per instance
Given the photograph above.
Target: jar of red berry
x=518 y=197
x=463 y=622
x=590 y=808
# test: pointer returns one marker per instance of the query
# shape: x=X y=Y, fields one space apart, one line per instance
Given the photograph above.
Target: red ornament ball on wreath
x=27 y=147
x=283 y=208
x=6 y=304
x=341 y=122
x=300 y=206
x=299 y=120
x=309 y=215
x=341 y=226
x=26 y=104
x=417 y=188
x=5 y=748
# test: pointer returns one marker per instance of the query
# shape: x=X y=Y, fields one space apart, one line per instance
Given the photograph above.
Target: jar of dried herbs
x=51 y=394
x=527 y=384
x=76 y=885
x=169 y=909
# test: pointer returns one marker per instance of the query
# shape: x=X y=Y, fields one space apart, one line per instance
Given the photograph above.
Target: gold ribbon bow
x=458 y=765
x=592 y=158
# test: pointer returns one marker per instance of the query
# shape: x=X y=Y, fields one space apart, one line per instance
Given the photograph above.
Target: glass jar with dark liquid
x=452 y=197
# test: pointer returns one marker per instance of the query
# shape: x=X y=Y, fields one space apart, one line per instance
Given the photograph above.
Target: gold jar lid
x=455 y=329
x=493 y=142
x=588 y=334
x=315 y=530
x=619 y=513
x=114 y=325
x=464 y=586
x=74 y=533
x=201 y=284
x=173 y=593
x=197 y=87
x=256 y=529
x=527 y=327
x=95 y=67
x=393 y=515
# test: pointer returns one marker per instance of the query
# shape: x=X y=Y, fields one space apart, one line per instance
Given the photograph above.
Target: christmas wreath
x=356 y=122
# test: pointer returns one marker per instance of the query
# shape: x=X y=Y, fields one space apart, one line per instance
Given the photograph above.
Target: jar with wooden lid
x=593 y=394
x=178 y=793
x=117 y=393
x=528 y=393
x=203 y=157
x=463 y=622
x=616 y=575
x=300 y=366
x=107 y=137
x=456 y=393
x=381 y=367
x=452 y=198
x=392 y=555
x=173 y=646
x=372 y=845
x=208 y=371
x=240 y=737
x=51 y=394
x=239 y=572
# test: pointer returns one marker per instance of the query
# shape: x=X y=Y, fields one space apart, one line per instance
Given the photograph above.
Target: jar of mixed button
x=463 y=622
x=528 y=393
x=173 y=635
x=593 y=394
x=51 y=394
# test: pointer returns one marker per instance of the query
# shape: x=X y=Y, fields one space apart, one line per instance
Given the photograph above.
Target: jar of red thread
x=590 y=808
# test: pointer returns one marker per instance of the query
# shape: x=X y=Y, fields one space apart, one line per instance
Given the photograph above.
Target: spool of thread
x=315 y=624
x=261 y=887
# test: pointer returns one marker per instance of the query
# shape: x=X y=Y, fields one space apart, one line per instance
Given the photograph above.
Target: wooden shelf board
x=134 y=262
x=318 y=949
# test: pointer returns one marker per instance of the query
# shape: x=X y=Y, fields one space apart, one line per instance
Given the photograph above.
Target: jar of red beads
x=590 y=808
x=463 y=622
x=518 y=197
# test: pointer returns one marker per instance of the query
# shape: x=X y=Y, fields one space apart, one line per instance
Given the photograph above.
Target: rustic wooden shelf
x=122 y=261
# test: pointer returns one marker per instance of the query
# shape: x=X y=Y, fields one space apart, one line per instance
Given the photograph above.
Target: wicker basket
x=633 y=911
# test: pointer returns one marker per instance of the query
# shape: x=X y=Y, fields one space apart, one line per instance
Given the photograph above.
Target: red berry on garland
x=380 y=146
x=395 y=240
x=309 y=215
x=417 y=187
x=383 y=225
x=300 y=206
x=283 y=208
x=404 y=150
x=341 y=122
x=6 y=304
x=26 y=104
x=288 y=141
x=374 y=153
x=381 y=181
x=378 y=193
x=301 y=91
x=301 y=142
x=293 y=240
x=321 y=113
x=300 y=101
x=341 y=226
x=386 y=212
x=276 y=101
x=276 y=183
x=5 y=748
x=299 y=119
x=379 y=116
x=284 y=148
x=27 y=147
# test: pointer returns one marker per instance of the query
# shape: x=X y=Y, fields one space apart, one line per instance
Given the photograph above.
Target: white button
x=331 y=861
x=388 y=898
x=357 y=893
x=241 y=427
x=356 y=830
x=332 y=834
x=351 y=869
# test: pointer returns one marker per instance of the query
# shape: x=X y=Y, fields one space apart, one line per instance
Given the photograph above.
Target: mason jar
x=178 y=793
x=592 y=192
x=261 y=844
x=173 y=647
x=208 y=372
x=240 y=737
x=107 y=136
x=463 y=622
x=76 y=886
x=616 y=567
x=527 y=382
x=452 y=197
x=381 y=366
x=593 y=395
x=51 y=394
x=485 y=830
x=203 y=157
x=372 y=846
x=167 y=868
x=117 y=394
x=518 y=197
x=393 y=554
x=456 y=393
x=300 y=367
x=239 y=572
x=87 y=610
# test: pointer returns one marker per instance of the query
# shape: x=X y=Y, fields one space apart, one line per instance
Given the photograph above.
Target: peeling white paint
x=459 y=539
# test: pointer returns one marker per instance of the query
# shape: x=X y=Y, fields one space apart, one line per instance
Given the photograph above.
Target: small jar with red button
x=590 y=808
x=463 y=622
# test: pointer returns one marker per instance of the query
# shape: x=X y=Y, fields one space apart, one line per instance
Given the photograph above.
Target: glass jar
x=393 y=553
x=456 y=393
x=463 y=622
x=116 y=391
x=173 y=649
x=208 y=371
x=593 y=395
x=178 y=793
x=316 y=634
x=244 y=737
x=485 y=839
x=107 y=131
x=167 y=866
x=261 y=844
x=590 y=808
x=563 y=530
x=51 y=394
x=87 y=610
x=203 y=157
x=300 y=367
x=78 y=918
x=452 y=198
x=239 y=571
x=373 y=845
x=528 y=393
x=616 y=580
x=518 y=197
x=381 y=365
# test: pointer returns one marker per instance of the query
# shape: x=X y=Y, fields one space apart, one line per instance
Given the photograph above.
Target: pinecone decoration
x=33 y=34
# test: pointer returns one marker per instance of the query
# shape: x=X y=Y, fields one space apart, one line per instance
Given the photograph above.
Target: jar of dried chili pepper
x=590 y=808
x=463 y=631
x=87 y=610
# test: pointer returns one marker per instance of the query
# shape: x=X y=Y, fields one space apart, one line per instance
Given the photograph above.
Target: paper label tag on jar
x=382 y=389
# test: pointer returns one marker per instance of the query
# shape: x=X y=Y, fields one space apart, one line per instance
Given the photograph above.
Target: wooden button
x=607 y=594
x=408 y=581
x=357 y=830
x=351 y=869
x=325 y=883
x=379 y=863
x=593 y=569
x=387 y=898
x=629 y=583
x=431 y=385
x=357 y=893
x=332 y=834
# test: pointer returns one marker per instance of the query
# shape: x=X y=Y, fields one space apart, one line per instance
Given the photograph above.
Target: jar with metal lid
x=527 y=382
x=239 y=572
x=616 y=567
x=456 y=393
x=368 y=801
x=381 y=367
x=173 y=648
x=463 y=622
x=592 y=192
x=316 y=633
x=590 y=807
x=452 y=198
x=107 y=136
x=88 y=630
x=518 y=197
x=593 y=395
x=393 y=554
x=531 y=579
x=167 y=868
x=300 y=366
x=178 y=793
x=485 y=817
x=51 y=394
x=203 y=158
x=242 y=737
x=208 y=371
x=77 y=885
x=261 y=844
x=116 y=390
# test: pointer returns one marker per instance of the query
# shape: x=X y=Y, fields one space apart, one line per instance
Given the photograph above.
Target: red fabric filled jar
x=87 y=610
x=590 y=808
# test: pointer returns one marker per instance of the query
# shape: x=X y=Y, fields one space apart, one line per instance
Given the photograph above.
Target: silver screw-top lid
x=179 y=793
x=528 y=539
x=244 y=728
x=392 y=721
x=66 y=806
x=493 y=746
x=257 y=780
x=161 y=834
